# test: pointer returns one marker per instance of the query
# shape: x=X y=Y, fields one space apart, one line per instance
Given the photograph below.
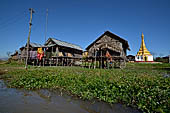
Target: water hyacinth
x=140 y=86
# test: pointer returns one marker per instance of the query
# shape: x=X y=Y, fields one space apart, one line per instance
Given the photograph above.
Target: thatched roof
x=108 y=33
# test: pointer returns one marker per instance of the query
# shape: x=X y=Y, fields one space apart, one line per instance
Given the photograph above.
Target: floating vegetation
x=144 y=88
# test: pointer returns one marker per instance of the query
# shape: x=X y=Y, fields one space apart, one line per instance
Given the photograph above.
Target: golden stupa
x=143 y=50
x=143 y=55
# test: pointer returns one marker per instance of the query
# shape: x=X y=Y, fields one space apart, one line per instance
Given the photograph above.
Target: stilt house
x=33 y=47
x=15 y=56
x=108 y=48
x=61 y=52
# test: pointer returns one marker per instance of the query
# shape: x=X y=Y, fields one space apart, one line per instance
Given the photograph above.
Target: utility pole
x=46 y=25
x=28 y=41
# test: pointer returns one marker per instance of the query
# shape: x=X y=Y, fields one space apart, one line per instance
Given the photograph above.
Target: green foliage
x=139 y=85
x=11 y=63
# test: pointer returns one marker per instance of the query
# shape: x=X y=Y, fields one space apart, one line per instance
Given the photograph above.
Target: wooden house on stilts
x=62 y=53
x=33 y=47
x=109 y=50
x=55 y=53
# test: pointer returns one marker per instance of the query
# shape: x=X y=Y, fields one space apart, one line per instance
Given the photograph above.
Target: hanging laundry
x=33 y=54
x=69 y=55
x=60 y=54
x=108 y=54
x=40 y=53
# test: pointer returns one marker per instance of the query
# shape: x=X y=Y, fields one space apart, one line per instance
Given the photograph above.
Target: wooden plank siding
x=107 y=48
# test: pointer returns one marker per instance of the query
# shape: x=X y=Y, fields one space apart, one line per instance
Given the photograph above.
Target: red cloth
x=39 y=56
x=108 y=55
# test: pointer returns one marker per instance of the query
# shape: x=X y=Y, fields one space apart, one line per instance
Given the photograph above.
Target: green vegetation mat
x=138 y=85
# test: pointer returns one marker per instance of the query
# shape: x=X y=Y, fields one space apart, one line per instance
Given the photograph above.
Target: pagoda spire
x=143 y=50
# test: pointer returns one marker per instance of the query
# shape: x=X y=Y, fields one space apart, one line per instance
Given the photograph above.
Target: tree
x=154 y=54
x=161 y=54
x=8 y=53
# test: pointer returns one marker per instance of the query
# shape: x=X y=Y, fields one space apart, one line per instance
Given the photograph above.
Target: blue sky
x=82 y=21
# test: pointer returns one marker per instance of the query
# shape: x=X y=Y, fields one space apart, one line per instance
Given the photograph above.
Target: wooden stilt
x=57 y=61
x=92 y=66
x=95 y=60
x=85 y=63
x=66 y=61
x=101 y=59
x=71 y=62
x=53 y=62
x=89 y=63
x=124 y=63
x=43 y=61
x=37 y=62
x=102 y=62
x=107 y=63
x=50 y=62
x=33 y=62
x=62 y=62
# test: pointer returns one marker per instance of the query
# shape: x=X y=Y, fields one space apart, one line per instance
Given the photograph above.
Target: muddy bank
x=45 y=101
x=3 y=71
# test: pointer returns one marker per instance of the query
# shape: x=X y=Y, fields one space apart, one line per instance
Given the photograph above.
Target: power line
x=7 y=20
x=13 y=21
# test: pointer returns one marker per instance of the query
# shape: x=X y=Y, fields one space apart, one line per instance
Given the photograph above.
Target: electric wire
x=13 y=20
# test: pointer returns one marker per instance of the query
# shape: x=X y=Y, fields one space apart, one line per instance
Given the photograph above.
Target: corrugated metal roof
x=66 y=44
x=36 y=45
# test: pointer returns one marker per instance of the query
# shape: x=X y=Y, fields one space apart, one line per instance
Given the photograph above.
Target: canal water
x=44 y=101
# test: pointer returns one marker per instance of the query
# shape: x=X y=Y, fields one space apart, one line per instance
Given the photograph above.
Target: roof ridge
x=115 y=35
x=66 y=42
x=108 y=33
x=35 y=43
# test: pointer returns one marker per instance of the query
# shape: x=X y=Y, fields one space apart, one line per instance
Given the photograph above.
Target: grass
x=10 y=63
x=138 y=85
